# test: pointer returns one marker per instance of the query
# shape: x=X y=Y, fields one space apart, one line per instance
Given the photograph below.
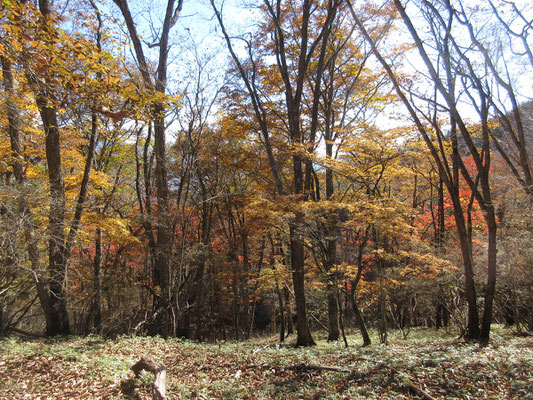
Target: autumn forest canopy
x=217 y=171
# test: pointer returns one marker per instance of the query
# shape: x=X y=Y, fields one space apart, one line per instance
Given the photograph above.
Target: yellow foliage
x=116 y=229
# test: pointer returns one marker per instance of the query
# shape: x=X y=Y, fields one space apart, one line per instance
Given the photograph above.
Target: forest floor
x=435 y=362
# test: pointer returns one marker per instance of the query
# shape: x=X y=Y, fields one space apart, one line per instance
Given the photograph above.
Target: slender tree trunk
x=97 y=283
x=360 y=321
x=56 y=217
x=281 y=314
x=252 y=317
x=163 y=247
x=472 y=328
x=2 y=323
x=288 y=311
x=236 y=298
x=491 y=274
x=341 y=318
x=331 y=288
x=441 y=230
x=382 y=310
x=245 y=283
x=331 y=256
x=32 y=241
x=333 y=313
x=353 y=287
x=304 y=337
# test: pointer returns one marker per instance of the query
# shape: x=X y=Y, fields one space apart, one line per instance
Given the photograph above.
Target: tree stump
x=160 y=376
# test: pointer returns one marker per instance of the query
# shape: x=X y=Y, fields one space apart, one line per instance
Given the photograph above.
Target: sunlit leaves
x=116 y=229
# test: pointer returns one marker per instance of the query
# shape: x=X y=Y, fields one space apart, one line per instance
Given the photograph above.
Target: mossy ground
x=97 y=368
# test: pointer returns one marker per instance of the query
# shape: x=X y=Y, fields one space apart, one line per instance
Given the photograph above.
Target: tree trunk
x=163 y=247
x=357 y=313
x=32 y=243
x=97 y=283
x=491 y=274
x=55 y=306
x=281 y=314
x=288 y=311
x=449 y=175
x=304 y=337
x=472 y=328
x=166 y=324
x=333 y=313
x=56 y=217
x=382 y=310
x=331 y=257
x=360 y=321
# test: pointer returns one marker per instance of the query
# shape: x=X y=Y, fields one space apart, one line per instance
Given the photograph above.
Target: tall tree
x=445 y=71
x=51 y=61
x=56 y=303
x=157 y=85
x=299 y=34
x=510 y=138
x=32 y=242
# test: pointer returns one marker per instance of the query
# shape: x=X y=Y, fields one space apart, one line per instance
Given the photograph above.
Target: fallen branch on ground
x=261 y=349
x=415 y=389
x=308 y=367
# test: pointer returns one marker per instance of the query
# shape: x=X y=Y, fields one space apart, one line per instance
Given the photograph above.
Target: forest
x=292 y=178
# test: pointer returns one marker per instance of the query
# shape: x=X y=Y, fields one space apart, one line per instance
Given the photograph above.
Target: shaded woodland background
x=329 y=165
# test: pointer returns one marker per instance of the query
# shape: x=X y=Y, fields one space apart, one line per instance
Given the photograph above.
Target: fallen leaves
x=94 y=368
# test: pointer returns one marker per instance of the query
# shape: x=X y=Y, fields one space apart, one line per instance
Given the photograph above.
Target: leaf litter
x=98 y=368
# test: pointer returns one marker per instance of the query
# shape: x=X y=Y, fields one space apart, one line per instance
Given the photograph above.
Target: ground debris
x=98 y=368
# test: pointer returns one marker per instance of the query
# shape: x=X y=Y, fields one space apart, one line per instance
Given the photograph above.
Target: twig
x=411 y=385
x=420 y=392
x=319 y=322
x=310 y=367
x=260 y=349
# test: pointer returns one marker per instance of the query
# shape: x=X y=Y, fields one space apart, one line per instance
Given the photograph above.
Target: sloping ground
x=95 y=368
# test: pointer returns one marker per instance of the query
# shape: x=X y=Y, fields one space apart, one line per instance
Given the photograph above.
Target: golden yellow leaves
x=424 y=265
x=5 y=154
x=115 y=229
x=70 y=68
x=272 y=276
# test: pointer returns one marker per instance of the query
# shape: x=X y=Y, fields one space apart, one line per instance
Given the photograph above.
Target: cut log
x=160 y=376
